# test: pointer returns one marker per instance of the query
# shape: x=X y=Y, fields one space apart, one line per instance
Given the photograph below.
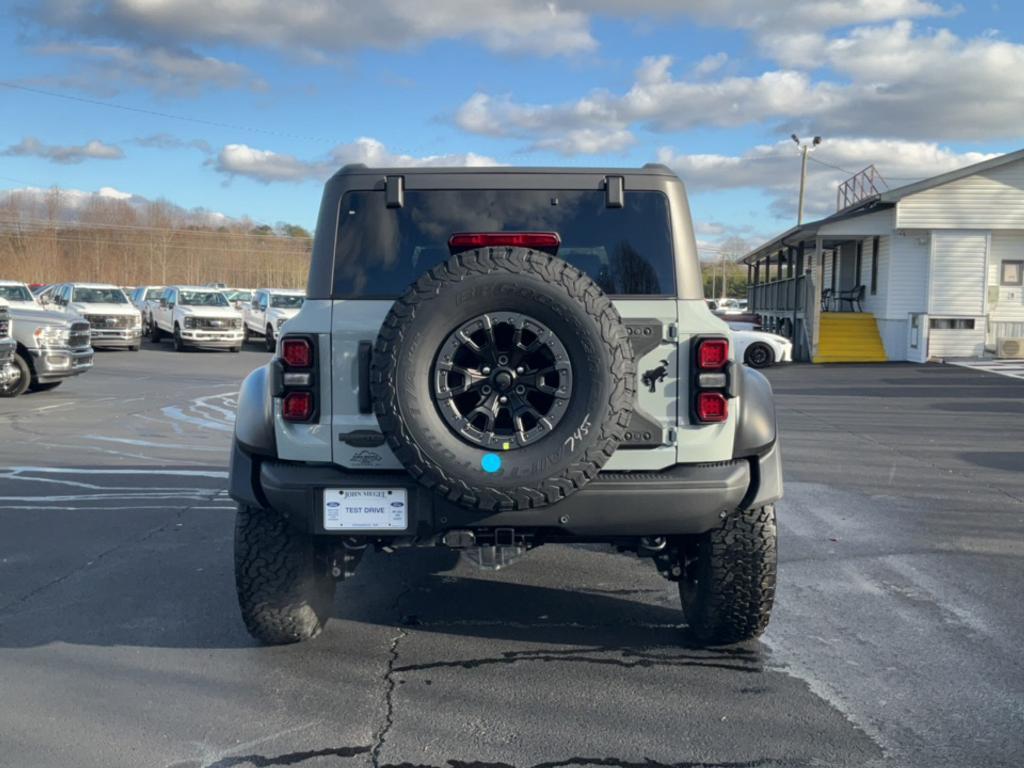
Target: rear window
x=380 y=250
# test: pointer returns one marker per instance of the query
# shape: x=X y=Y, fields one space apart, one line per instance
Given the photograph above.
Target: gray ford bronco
x=494 y=359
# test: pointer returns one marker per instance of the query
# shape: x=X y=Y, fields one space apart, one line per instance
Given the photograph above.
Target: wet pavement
x=893 y=640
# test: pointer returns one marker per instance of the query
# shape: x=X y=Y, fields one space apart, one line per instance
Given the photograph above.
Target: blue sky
x=915 y=87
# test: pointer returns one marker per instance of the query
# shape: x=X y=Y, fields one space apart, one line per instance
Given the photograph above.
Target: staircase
x=849 y=337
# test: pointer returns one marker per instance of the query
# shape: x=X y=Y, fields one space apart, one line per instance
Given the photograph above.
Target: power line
x=155 y=113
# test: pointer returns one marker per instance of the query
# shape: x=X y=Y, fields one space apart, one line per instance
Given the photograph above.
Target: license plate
x=365 y=509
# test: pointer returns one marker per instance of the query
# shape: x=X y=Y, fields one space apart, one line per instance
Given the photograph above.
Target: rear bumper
x=688 y=498
x=50 y=364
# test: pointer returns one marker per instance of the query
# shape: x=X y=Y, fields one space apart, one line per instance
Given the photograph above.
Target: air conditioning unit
x=1010 y=348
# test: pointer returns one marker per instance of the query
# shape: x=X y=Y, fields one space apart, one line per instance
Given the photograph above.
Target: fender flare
x=756 y=428
x=254 y=416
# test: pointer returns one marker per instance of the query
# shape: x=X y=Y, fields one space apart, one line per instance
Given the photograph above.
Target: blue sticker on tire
x=491 y=462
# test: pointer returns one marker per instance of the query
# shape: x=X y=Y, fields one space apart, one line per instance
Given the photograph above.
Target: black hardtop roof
x=359 y=169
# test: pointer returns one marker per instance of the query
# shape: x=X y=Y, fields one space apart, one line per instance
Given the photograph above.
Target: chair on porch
x=827 y=297
x=854 y=297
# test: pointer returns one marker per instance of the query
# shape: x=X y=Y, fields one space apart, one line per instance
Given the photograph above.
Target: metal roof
x=878 y=202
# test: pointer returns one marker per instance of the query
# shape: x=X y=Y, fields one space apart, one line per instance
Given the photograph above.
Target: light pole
x=804 y=148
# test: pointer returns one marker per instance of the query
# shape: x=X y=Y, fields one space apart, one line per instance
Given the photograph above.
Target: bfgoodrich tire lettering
x=491 y=281
x=284 y=587
x=727 y=585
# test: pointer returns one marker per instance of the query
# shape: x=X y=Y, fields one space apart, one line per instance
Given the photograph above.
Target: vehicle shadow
x=181 y=594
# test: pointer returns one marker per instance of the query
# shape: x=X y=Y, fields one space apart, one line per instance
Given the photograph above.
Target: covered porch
x=804 y=279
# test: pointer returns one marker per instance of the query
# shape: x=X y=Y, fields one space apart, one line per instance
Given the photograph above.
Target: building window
x=874 y=265
x=835 y=262
x=1012 y=273
x=951 y=323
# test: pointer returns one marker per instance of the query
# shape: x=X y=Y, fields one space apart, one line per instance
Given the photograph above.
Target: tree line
x=55 y=236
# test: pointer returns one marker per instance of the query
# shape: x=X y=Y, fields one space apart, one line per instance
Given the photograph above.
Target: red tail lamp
x=297 y=406
x=297 y=352
x=712 y=407
x=713 y=354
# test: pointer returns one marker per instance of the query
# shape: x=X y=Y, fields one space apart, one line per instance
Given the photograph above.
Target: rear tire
x=727 y=586
x=15 y=388
x=285 y=589
x=155 y=334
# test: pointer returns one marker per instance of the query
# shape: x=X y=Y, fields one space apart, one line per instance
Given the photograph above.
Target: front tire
x=155 y=334
x=46 y=386
x=285 y=589
x=759 y=355
x=269 y=339
x=19 y=385
x=179 y=343
x=727 y=586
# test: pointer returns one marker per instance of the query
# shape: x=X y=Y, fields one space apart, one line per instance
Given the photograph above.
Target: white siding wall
x=989 y=200
x=958 y=274
x=907 y=277
x=943 y=343
x=1009 y=306
x=894 y=338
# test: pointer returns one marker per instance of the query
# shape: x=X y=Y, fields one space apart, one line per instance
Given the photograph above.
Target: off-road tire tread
x=578 y=288
x=737 y=568
x=284 y=590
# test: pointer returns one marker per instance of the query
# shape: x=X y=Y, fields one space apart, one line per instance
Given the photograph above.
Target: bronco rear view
x=495 y=359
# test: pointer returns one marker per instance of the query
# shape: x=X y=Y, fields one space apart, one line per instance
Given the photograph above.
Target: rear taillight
x=297 y=352
x=712 y=354
x=712 y=407
x=297 y=406
x=542 y=241
x=711 y=379
x=298 y=378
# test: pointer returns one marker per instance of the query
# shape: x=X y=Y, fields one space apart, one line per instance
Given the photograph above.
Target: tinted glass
x=282 y=301
x=100 y=296
x=626 y=251
x=203 y=299
x=15 y=293
x=154 y=293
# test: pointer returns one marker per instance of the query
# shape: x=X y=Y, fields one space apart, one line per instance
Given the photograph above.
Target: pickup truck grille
x=5 y=325
x=110 y=322
x=217 y=323
x=79 y=336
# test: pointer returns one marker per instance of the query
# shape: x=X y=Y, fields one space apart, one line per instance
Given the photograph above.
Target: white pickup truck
x=196 y=317
x=17 y=295
x=113 y=321
x=269 y=309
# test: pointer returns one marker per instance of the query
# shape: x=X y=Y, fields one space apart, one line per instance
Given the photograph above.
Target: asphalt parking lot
x=895 y=639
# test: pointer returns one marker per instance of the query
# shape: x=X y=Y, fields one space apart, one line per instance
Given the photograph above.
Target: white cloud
x=69 y=204
x=108 y=69
x=775 y=169
x=323 y=27
x=267 y=166
x=64 y=155
x=890 y=82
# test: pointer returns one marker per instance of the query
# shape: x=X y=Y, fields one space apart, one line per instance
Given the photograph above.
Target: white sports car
x=759 y=349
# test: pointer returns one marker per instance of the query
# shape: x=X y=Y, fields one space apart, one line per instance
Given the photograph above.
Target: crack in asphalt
x=389 y=704
x=294 y=758
x=630 y=660
x=288 y=758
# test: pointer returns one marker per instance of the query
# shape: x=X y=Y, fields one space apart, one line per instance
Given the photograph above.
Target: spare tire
x=503 y=379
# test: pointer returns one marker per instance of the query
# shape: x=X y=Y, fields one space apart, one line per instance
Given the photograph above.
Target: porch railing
x=788 y=306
